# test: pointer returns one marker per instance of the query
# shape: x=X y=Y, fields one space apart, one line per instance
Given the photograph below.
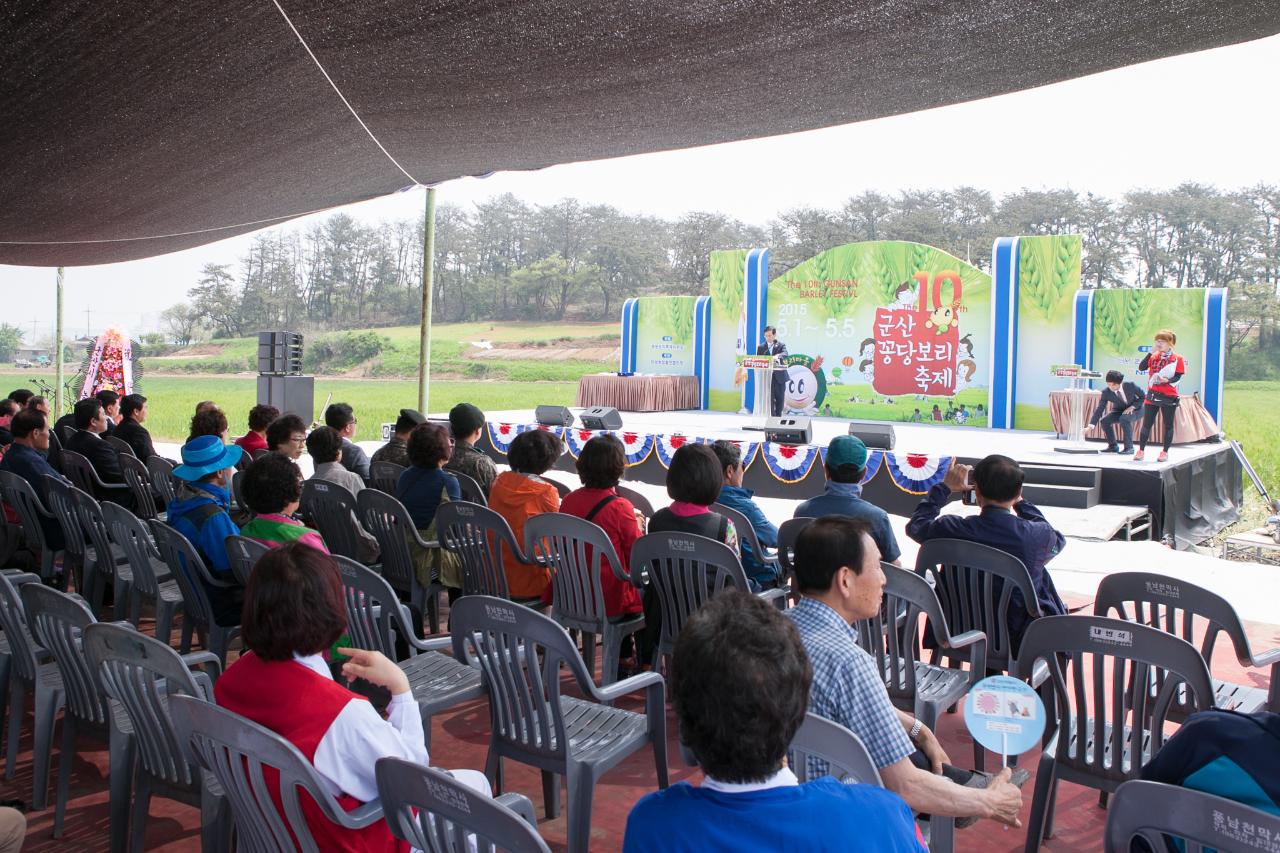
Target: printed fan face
x=987 y=703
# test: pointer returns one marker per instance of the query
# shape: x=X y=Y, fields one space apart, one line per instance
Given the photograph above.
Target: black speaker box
x=601 y=417
x=789 y=430
x=878 y=436
x=553 y=416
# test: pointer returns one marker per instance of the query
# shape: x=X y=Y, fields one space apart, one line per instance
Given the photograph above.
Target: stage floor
x=1026 y=446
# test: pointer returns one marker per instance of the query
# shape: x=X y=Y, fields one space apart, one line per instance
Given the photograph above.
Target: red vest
x=300 y=706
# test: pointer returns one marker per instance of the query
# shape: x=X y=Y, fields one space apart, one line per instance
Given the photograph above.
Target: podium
x=762 y=367
x=1078 y=405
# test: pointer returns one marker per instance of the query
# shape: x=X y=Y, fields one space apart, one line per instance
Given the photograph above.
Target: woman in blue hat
x=200 y=513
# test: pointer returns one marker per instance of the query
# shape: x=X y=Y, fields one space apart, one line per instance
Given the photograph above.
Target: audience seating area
x=110 y=650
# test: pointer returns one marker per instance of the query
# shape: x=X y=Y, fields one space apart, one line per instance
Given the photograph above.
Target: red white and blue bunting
x=576 y=439
x=638 y=446
x=916 y=473
x=789 y=463
x=666 y=446
x=501 y=435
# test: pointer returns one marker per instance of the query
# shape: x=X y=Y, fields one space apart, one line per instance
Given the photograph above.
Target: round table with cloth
x=1192 y=421
x=639 y=393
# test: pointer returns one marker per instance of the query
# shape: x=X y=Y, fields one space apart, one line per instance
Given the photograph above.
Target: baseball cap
x=846 y=450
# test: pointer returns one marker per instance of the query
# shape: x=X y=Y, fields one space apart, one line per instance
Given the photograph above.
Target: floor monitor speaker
x=789 y=430
x=878 y=436
x=601 y=417
x=554 y=416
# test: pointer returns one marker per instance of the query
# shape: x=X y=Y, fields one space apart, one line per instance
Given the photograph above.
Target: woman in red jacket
x=1164 y=368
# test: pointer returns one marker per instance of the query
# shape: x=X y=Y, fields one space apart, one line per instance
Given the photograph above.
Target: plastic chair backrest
x=822 y=747
x=1101 y=671
x=638 y=500
x=79 y=470
x=20 y=495
x=383 y=476
x=120 y=446
x=188 y=570
x=747 y=539
x=161 y=471
x=435 y=813
x=237 y=490
x=130 y=533
x=975 y=584
x=139 y=480
x=684 y=571
x=65 y=432
x=13 y=619
x=476 y=533
x=58 y=622
x=520 y=652
x=575 y=550
x=243 y=756
x=63 y=507
x=787 y=533
x=141 y=673
x=331 y=508
x=471 y=490
x=561 y=488
x=242 y=553
x=373 y=609
x=390 y=523
x=1198 y=821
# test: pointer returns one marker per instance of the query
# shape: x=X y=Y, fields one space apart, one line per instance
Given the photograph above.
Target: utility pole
x=57 y=349
x=88 y=329
x=428 y=283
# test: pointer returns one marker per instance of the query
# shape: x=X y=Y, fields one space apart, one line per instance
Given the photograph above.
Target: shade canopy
x=189 y=122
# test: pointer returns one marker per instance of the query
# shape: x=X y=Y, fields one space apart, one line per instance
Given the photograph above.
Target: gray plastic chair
x=138 y=478
x=383 y=476
x=470 y=488
x=27 y=667
x=685 y=571
x=127 y=603
x=58 y=621
x=20 y=495
x=787 y=533
x=130 y=533
x=192 y=576
x=237 y=489
x=80 y=560
x=476 y=534
x=1105 y=750
x=913 y=685
x=242 y=554
x=1198 y=821
x=331 y=509
x=576 y=551
x=1182 y=609
x=435 y=813
x=748 y=541
x=638 y=500
x=140 y=674
x=239 y=752
x=80 y=471
x=65 y=432
x=161 y=471
x=393 y=527
x=822 y=747
x=975 y=583
x=120 y=446
x=375 y=616
x=533 y=723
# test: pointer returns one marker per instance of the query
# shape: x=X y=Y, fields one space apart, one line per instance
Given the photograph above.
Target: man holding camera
x=1006 y=521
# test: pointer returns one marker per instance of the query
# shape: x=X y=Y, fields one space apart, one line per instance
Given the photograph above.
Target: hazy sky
x=1200 y=117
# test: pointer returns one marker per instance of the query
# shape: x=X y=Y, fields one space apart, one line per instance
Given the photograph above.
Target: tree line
x=505 y=259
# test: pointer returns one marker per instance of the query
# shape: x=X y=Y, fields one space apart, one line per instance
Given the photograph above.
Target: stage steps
x=1057 y=485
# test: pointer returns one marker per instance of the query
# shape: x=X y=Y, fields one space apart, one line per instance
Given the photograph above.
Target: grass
x=1250 y=417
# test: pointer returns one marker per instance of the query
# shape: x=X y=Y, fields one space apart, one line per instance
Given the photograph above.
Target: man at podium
x=778 y=389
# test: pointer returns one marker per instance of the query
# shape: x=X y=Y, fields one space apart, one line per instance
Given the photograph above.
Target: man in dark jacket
x=339 y=416
x=778 y=383
x=8 y=409
x=26 y=458
x=133 y=413
x=1125 y=401
x=91 y=423
x=1006 y=522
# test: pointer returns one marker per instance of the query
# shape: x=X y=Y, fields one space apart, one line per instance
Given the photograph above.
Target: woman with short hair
x=272 y=490
x=422 y=487
x=521 y=493
x=293 y=616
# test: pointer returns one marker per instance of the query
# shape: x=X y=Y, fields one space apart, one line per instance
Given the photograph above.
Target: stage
x=1190 y=497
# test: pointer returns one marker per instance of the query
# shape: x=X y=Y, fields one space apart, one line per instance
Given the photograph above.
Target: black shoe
x=1111 y=448
x=1128 y=450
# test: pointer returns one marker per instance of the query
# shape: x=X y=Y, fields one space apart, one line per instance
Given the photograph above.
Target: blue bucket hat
x=205 y=454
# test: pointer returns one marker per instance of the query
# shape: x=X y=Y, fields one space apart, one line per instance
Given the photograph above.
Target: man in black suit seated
x=1125 y=401
x=91 y=423
x=774 y=347
x=133 y=412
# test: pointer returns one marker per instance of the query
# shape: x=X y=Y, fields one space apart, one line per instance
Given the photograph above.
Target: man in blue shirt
x=26 y=457
x=739 y=732
x=1006 y=522
x=735 y=496
x=845 y=464
x=202 y=514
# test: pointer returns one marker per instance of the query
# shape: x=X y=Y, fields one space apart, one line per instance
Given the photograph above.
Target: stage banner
x=664 y=335
x=728 y=326
x=885 y=330
x=1048 y=276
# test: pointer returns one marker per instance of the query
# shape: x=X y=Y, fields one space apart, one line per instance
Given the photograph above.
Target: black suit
x=136 y=436
x=778 y=388
x=1126 y=410
x=105 y=461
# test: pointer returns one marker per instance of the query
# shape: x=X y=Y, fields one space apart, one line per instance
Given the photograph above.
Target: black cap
x=409 y=418
x=465 y=419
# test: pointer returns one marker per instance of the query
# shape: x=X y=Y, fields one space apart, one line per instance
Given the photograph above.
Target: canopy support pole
x=428 y=284
x=57 y=350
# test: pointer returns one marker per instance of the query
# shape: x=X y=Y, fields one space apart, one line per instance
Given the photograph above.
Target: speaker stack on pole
x=280 y=380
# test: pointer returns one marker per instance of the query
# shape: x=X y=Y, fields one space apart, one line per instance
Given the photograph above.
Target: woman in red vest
x=293 y=615
x=1164 y=368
